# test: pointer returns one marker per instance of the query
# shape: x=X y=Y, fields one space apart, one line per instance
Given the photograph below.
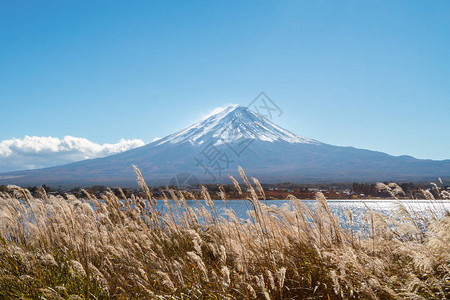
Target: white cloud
x=156 y=139
x=33 y=152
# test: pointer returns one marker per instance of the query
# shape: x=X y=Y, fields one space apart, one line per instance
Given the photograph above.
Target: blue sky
x=372 y=75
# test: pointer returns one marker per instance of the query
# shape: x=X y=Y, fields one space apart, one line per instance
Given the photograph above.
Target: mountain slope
x=213 y=147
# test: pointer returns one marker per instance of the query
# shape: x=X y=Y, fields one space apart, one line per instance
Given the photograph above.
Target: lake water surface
x=339 y=207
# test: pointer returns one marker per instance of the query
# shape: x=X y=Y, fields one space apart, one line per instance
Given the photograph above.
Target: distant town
x=278 y=191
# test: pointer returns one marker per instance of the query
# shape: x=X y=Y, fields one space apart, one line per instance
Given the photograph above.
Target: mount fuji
x=213 y=147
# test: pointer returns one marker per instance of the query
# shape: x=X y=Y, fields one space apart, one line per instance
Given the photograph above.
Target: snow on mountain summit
x=231 y=124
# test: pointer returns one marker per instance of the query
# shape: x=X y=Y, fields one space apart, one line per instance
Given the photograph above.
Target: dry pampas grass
x=115 y=248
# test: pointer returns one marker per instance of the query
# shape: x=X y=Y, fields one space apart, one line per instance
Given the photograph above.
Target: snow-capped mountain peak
x=231 y=124
x=274 y=155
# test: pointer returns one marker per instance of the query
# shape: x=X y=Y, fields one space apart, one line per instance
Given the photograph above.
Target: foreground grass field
x=69 y=248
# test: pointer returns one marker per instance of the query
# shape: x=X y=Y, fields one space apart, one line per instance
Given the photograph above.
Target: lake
x=358 y=207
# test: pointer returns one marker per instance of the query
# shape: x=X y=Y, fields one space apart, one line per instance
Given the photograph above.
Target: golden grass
x=68 y=248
